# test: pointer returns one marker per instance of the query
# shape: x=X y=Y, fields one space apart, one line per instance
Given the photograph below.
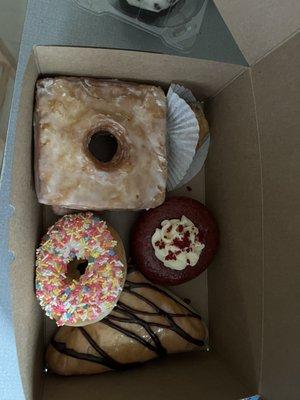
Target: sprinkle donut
x=81 y=236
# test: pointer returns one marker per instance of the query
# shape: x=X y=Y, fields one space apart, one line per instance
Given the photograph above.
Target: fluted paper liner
x=182 y=138
x=198 y=162
x=183 y=169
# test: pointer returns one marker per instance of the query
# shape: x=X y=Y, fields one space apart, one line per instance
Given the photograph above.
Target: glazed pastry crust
x=84 y=345
x=68 y=112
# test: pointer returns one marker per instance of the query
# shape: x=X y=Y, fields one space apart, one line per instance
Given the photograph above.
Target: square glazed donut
x=99 y=144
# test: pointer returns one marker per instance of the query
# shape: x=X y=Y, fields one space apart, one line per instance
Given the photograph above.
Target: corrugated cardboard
x=251 y=284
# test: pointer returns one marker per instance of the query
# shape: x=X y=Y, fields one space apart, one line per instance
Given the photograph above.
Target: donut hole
x=103 y=146
x=76 y=268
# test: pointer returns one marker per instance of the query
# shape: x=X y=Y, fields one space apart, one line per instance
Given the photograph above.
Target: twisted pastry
x=148 y=322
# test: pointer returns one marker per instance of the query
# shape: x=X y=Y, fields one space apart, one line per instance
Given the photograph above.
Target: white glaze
x=66 y=110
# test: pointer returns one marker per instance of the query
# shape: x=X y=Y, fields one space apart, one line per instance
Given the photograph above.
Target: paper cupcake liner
x=184 y=93
x=197 y=163
x=182 y=138
x=182 y=168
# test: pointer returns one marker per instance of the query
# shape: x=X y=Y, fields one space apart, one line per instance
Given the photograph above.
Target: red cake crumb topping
x=160 y=244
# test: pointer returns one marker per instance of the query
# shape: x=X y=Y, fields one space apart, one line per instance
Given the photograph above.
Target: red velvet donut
x=143 y=254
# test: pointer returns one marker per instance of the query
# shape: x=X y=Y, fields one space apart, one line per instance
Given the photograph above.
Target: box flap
x=253 y=189
x=24 y=231
x=259 y=26
x=276 y=85
x=211 y=76
x=233 y=193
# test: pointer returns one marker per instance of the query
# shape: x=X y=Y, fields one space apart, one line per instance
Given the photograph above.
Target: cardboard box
x=251 y=184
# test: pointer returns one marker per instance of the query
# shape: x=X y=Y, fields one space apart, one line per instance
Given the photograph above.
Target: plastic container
x=178 y=25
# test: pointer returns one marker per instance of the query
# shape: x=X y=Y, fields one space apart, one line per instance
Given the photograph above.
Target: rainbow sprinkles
x=90 y=298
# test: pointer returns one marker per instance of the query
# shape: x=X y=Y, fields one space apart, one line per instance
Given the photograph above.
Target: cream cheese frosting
x=176 y=243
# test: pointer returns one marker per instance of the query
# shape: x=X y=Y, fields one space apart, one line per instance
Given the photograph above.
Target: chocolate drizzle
x=124 y=314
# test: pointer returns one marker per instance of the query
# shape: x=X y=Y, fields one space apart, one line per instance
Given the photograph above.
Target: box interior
x=232 y=188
